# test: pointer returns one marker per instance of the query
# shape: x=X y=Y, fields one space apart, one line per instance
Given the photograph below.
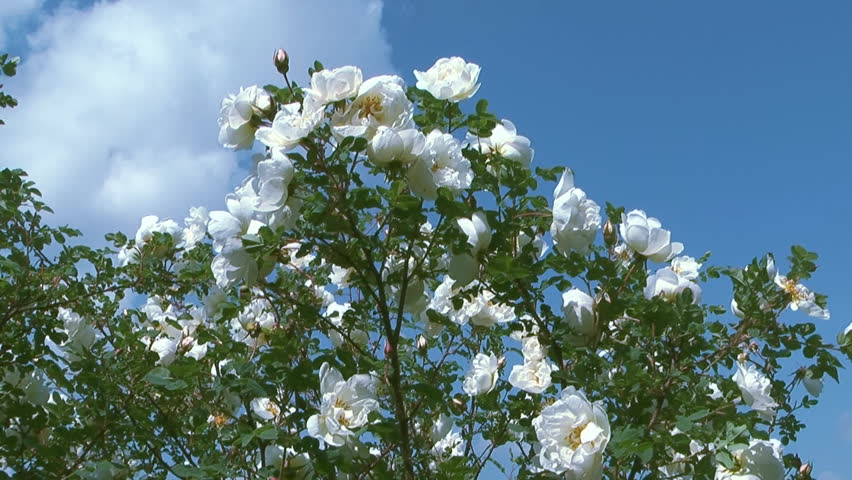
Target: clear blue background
x=728 y=120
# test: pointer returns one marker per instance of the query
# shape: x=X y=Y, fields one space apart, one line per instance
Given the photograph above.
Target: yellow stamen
x=573 y=438
x=220 y=420
x=370 y=107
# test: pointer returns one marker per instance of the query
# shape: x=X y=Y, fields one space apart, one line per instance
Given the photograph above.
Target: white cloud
x=119 y=100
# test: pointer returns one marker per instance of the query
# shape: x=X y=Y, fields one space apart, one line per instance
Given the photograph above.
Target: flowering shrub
x=389 y=295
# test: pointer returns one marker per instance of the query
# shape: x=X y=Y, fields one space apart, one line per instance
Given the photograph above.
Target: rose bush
x=380 y=298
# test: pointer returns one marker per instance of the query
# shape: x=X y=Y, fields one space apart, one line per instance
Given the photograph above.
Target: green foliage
x=8 y=67
x=126 y=406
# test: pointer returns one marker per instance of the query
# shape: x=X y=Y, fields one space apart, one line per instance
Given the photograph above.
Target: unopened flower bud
x=805 y=470
x=501 y=363
x=770 y=266
x=742 y=357
x=458 y=404
x=388 y=348
x=609 y=234
x=281 y=61
x=422 y=345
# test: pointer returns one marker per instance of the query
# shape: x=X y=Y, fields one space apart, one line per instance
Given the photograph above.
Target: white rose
x=477 y=230
x=506 y=142
x=335 y=313
x=686 y=267
x=531 y=348
x=381 y=101
x=483 y=311
x=451 y=445
x=239 y=219
x=236 y=129
x=254 y=323
x=345 y=406
x=578 y=310
x=669 y=285
x=272 y=178
x=761 y=460
x=756 y=390
x=232 y=265
x=264 y=408
x=447 y=442
x=801 y=298
x=166 y=349
x=294 y=465
x=290 y=126
x=576 y=219
x=195 y=226
x=441 y=427
x=540 y=246
x=339 y=276
x=151 y=224
x=329 y=86
x=450 y=79
x=573 y=433
x=532 y=376
x=440 y=165
x=148 y=226
x=646 y=236
x=677 y=469
x=81 y=335
x=390 y=145
x=482 y=376
x=441 y=301
x=622 y=254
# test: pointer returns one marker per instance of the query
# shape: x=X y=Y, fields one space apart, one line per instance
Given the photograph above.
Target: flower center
x=342 y=420
x=220 y=420
x=573 y=438
x=791 y=287
x=623 y=254
x=371 y=107
x=273 y=409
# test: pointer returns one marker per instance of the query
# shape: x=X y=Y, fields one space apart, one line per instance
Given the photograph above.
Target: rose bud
x=281 y=61
x=609 y=234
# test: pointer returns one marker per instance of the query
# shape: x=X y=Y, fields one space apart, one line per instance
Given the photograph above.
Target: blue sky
x=729 y=121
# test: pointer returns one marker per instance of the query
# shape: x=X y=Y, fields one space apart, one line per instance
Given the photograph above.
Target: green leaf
x=725 y=459
x=159 y=376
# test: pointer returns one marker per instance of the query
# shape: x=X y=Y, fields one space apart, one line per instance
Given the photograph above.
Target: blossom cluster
x=334 y=316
